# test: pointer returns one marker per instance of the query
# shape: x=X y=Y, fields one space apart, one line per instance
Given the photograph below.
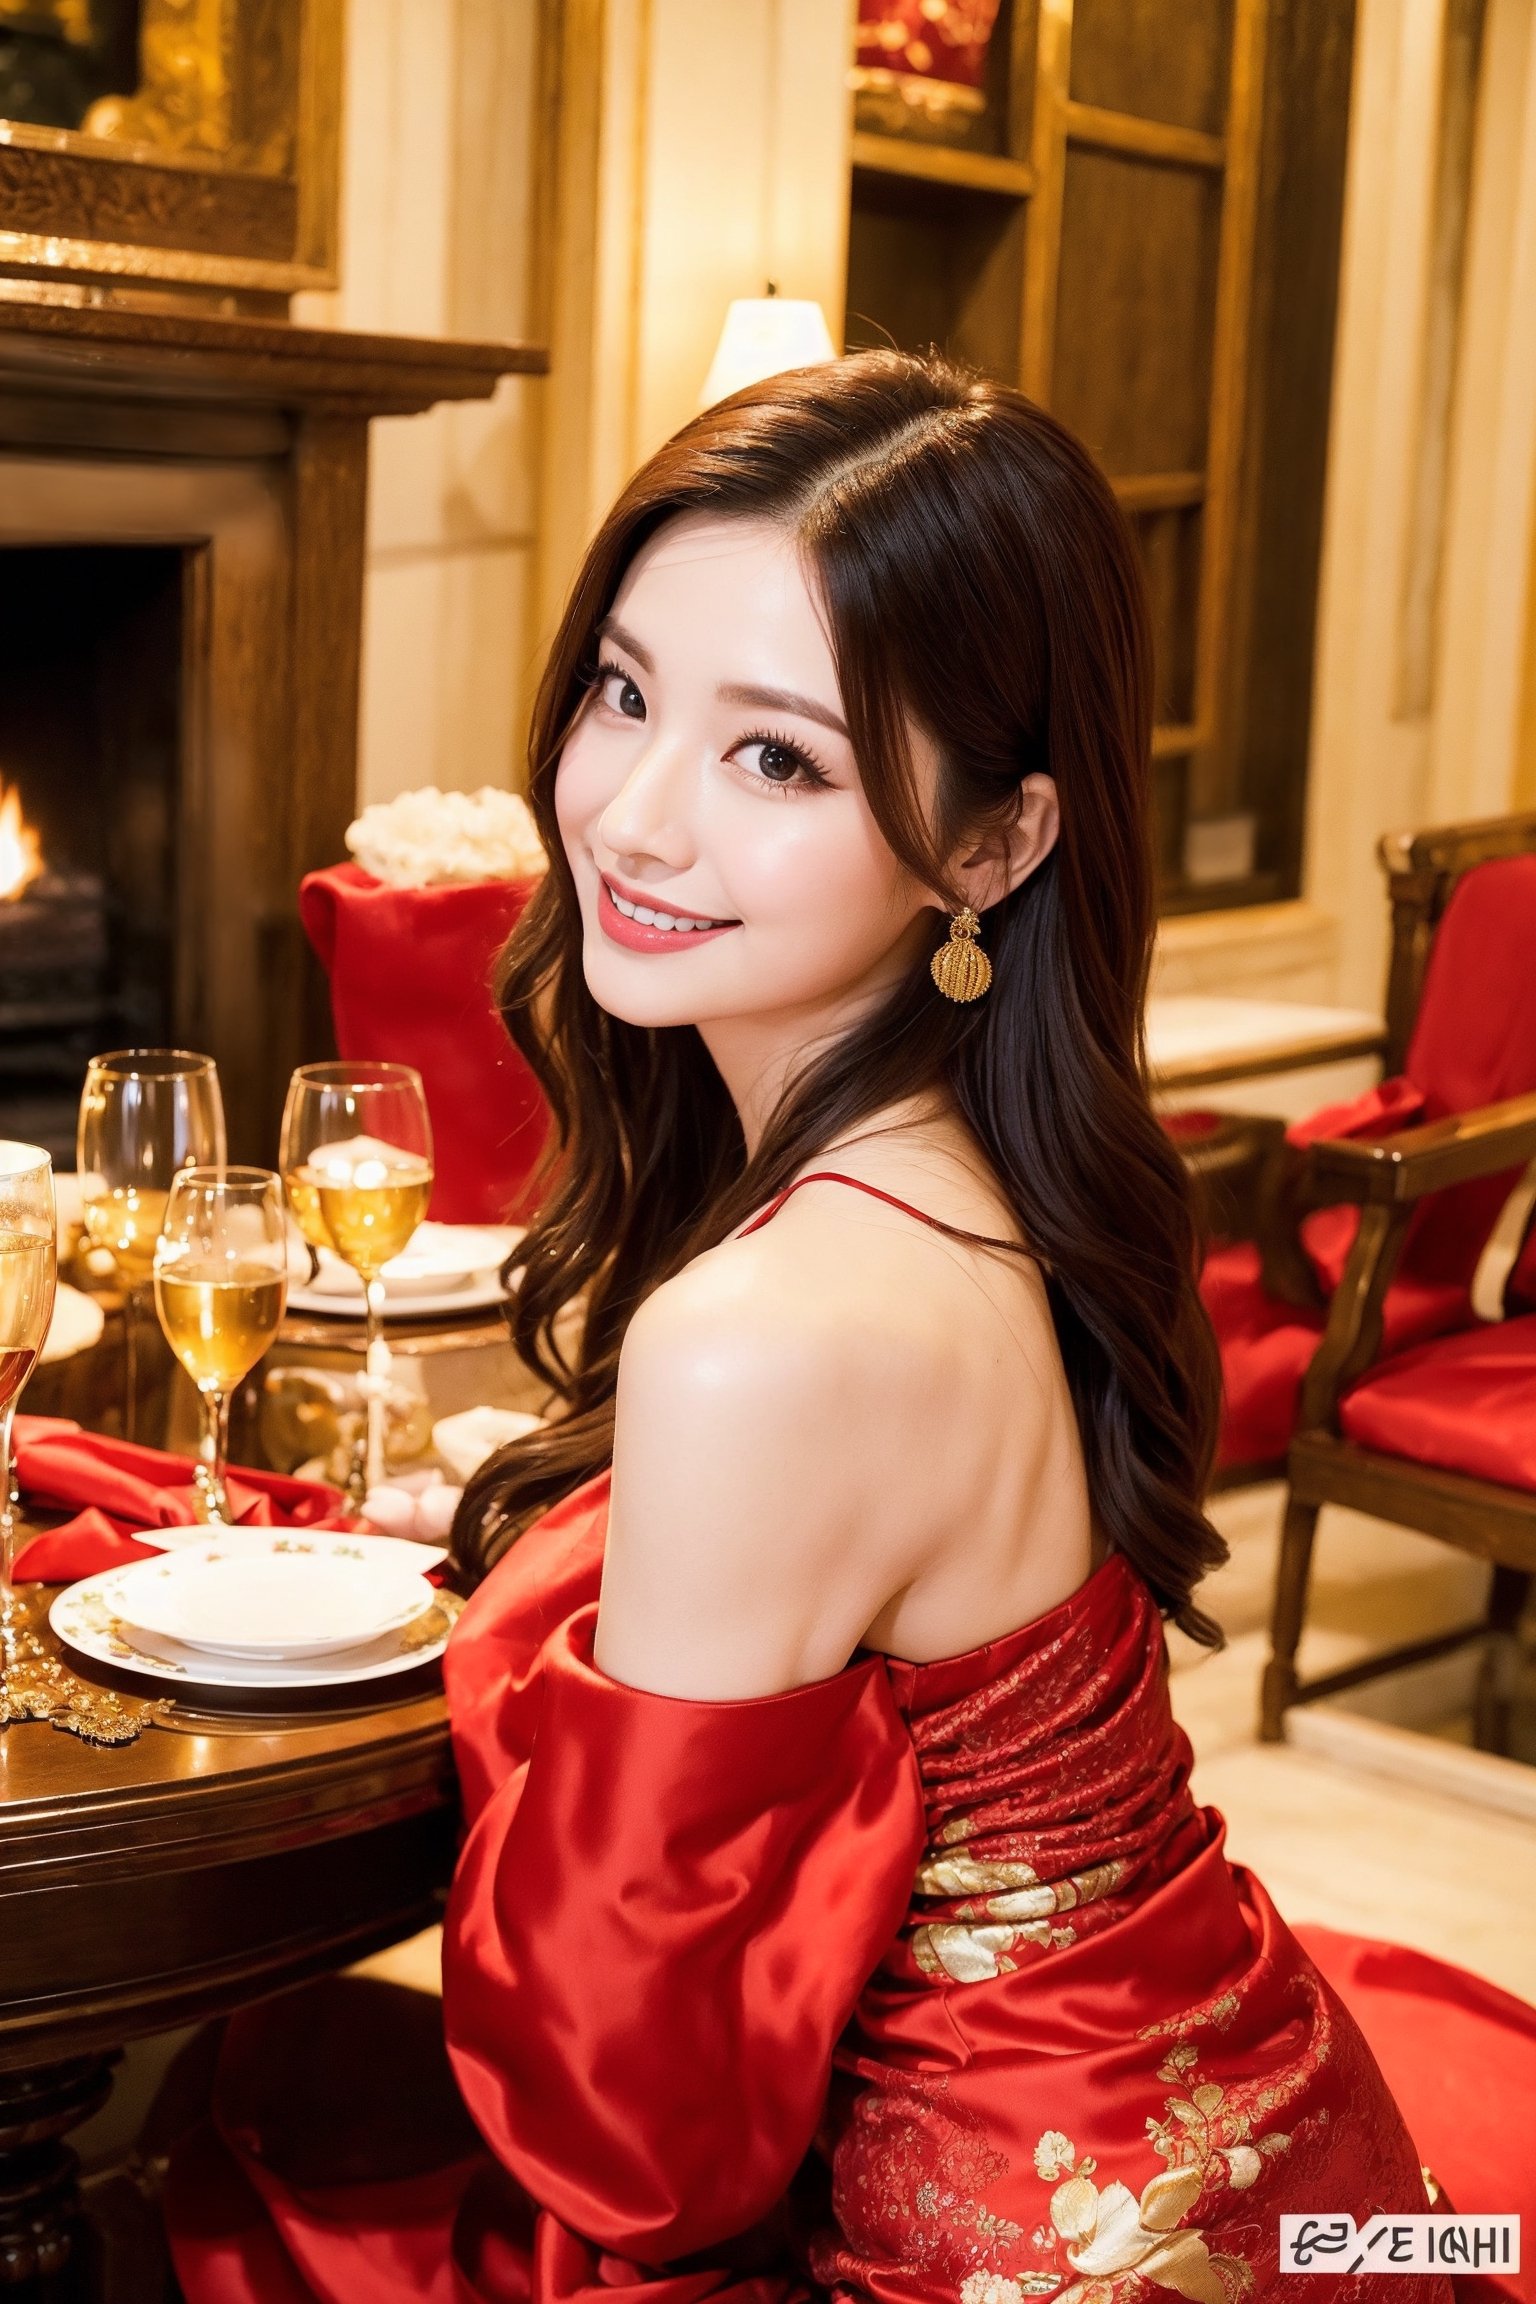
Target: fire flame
x=21 y=852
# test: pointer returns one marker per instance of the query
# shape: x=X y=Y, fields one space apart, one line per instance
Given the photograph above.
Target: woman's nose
x=647 y=816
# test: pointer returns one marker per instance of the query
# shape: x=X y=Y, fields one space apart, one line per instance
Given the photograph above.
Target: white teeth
x=650 y=918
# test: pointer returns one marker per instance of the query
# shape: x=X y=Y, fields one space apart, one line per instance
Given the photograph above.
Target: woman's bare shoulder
x=768 y=1396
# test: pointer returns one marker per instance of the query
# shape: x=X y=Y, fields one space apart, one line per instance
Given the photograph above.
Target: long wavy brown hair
x=978 y=580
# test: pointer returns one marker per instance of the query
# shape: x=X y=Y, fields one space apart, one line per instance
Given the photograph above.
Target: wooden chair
x=1270 y=1274
x=1441 y=1437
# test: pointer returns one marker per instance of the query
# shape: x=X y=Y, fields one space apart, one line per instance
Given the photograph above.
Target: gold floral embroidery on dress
x=1004 y=1904
x=1224 y=2128
x=1108 y=2242
x=1114 y=2242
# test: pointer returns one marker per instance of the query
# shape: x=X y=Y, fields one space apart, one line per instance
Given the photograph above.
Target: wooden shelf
x=943 y=164
x=1179 y=896
x=1148 y=249
x=1146 y=139
x=1159 y=491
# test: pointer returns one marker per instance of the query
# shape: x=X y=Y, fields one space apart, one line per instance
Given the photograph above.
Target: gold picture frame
x=215 y=175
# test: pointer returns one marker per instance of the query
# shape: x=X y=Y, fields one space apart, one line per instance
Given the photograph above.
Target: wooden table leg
x=40 y=2211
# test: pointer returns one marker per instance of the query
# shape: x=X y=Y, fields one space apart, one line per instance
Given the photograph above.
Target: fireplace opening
x=90 y=751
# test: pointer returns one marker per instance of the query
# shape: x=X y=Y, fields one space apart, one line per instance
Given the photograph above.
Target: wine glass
x=357 y=1160
x=145 y=1113
x=221 y=1281
x=28 y=1267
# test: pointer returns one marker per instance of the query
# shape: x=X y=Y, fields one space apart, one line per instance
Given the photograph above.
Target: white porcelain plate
x=386 y=1551
x=292 y=1596
x=446 y=1268
x=88 y=1618
x=476 y=1295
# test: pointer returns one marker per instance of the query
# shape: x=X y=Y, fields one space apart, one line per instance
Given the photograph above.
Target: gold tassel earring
x=960 y=968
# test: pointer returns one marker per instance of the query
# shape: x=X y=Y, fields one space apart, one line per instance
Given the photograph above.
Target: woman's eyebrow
x=611 y=629
x=784 y=700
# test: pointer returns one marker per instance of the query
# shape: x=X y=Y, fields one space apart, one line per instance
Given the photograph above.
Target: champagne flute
x=145 y=1114
x=221 y=1281
x=357 y=1161
x=28 y=1266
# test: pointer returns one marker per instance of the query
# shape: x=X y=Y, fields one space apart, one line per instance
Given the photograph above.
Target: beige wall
x=1427 y=617
x=437 y=186
x=704 y=152
x=701 y=151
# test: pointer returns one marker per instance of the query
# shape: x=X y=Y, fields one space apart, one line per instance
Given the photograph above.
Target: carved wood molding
x=219 y=166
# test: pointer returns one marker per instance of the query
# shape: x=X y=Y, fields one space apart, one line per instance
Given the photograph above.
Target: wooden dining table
x=222 y=1856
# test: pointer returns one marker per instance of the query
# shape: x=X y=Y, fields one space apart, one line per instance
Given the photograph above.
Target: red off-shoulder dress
x=927 y=1983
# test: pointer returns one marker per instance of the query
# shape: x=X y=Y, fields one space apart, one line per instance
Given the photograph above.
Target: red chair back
x=1474 y=1042
x=410 y=972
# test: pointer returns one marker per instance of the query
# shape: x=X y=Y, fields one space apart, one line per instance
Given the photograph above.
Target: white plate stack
x=263 y=1608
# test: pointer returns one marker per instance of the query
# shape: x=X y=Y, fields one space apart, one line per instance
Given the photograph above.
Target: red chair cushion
x=410 y=972
x=1266 y=1346
x=1464 y=1403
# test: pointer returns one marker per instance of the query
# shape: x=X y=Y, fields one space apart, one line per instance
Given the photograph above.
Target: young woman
x=834 y=1914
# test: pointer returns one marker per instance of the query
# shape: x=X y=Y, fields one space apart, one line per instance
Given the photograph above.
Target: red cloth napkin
x=122 y=1486
x=410 y=972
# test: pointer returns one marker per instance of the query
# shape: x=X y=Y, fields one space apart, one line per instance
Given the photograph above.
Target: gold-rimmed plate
x=88 y=1618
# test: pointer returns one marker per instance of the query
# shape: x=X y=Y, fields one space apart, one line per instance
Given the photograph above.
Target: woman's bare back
x=843 y=1427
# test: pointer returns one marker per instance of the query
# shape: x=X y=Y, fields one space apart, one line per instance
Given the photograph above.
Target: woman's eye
x=776 y=763
x=620 y=694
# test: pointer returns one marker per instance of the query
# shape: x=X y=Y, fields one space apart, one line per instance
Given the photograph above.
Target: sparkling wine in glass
x=357 y=1163
x=145 y=1114
x=28 y=1265
x=221 y=1281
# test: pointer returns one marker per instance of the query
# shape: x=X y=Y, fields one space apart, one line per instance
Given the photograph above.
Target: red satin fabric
x=122 y=1486
x=1267 y=1346
x=1463 y=2052
x=1474 y=1042
x=410 y=972
x=1466 y=1404
x=922 y=1982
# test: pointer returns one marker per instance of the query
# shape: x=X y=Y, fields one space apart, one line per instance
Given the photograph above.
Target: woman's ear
x=1010 y=852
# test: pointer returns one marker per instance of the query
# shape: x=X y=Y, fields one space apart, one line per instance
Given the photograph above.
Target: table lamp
x=762 y=336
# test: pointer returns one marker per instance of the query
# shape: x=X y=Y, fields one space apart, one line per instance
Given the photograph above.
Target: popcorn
x=430 y=838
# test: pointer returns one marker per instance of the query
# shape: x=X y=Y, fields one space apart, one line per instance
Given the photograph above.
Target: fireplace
x=181 y=561
x=90 y=748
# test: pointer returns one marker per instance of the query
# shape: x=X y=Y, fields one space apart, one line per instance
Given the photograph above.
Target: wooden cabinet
x=1140 y=226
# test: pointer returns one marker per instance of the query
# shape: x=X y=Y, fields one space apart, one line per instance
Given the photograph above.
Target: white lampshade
x=762 y=336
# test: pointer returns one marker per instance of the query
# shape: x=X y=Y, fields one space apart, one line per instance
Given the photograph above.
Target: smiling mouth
x=661 y=916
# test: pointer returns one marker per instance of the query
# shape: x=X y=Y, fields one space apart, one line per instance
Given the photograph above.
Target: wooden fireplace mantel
x=242 y=443
x=85 y=348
